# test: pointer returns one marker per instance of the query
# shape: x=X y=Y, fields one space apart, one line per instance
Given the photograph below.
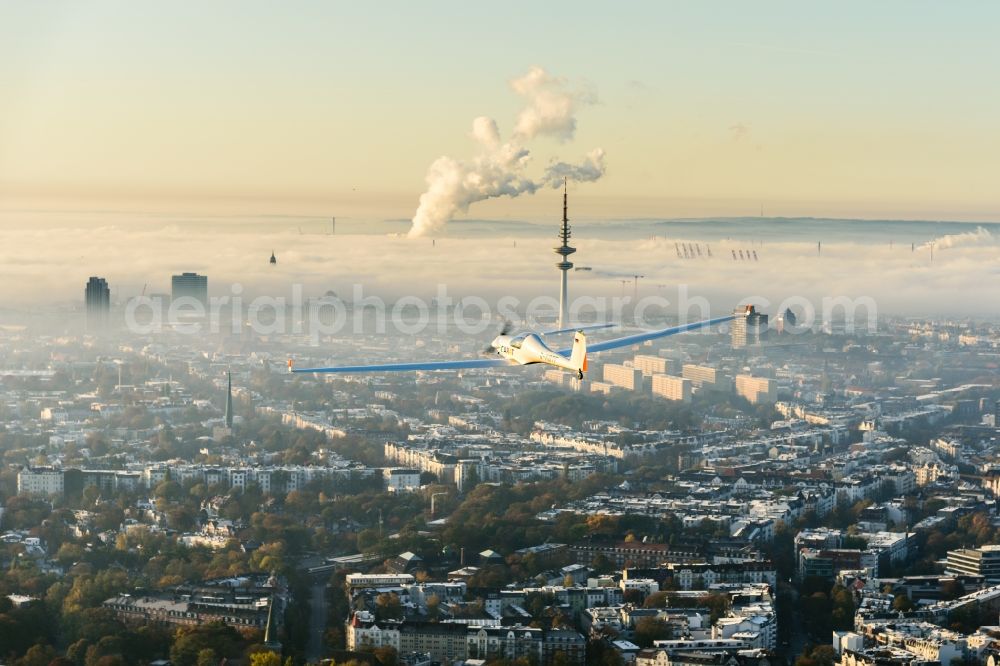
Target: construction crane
x=635 y=286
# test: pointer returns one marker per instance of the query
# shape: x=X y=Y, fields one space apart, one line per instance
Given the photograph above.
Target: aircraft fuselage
x=526 y=349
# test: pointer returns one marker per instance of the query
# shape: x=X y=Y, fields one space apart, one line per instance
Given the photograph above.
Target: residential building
x=757 y=390
x=983 y=561
x=705 y=377
x=651 y=365
x=623 y=376
x=40 y=481
x=672 y=388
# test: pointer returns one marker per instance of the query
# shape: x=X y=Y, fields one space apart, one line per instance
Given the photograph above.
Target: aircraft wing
x=402 y=367
x=574 y=329
x=639 y=338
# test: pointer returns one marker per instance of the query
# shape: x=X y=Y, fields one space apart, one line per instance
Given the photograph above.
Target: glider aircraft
x=527 y=349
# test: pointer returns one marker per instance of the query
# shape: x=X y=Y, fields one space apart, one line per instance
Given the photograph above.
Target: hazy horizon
x=889 y=261
x=136 y=143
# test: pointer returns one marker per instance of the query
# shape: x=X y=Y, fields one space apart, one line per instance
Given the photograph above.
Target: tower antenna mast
x=564 y=250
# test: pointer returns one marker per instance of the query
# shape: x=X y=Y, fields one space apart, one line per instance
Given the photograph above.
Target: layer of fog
x=954 y=274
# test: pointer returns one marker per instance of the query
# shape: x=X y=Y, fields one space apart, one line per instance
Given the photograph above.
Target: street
x=315 y=649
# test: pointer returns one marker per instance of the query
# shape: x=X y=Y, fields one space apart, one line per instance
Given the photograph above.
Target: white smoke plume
x=980 y=235
x=499 y=169
x=551 y=107
x=591 y=168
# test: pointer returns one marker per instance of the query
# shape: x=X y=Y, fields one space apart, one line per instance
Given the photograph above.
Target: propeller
x=504 y=330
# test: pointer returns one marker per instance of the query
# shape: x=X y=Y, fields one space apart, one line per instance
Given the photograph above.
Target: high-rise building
x=650 y=365
x=707 y=378
x=756 y=390
x=785 y=322
x=190 y=285
x=672 y=388
x=749 y=327
x=624 y=376
x=97 y=296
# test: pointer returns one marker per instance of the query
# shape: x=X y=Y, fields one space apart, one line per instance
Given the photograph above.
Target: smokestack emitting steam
x=454 y=185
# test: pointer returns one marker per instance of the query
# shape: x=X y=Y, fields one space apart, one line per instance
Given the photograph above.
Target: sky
x=139 y=140
x=851 y=109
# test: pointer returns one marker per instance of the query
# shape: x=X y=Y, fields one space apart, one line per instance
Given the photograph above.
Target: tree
x=207 y=657
x=601 y=564
x=388 y=606
x=600 y=653
x=265 y=659
x=656 y=600
x=901 y=602
x=69 y=553
x=386 y=656
x=38 y=655
x=433 y=606
x=190 y=641
x=816 y=614
x=633 y=596
x=649 y=629
x=77 y=652
x=560 y=658
x=842 y=615
x=819 y=655
x=952 y=589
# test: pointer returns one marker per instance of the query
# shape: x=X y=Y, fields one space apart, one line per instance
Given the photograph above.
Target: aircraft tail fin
x=578 y=356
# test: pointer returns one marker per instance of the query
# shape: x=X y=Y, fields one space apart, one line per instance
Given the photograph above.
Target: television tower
x=564 y=251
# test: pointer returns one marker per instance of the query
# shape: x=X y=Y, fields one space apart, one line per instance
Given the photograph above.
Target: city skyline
x=517 y=334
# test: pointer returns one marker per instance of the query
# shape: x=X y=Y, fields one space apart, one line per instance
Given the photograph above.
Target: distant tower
x=749 y=327
x=97 y=296
x=564 y=251
x=189 y=285
x=274 y=259
x=786 y=321
x=229 y=400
